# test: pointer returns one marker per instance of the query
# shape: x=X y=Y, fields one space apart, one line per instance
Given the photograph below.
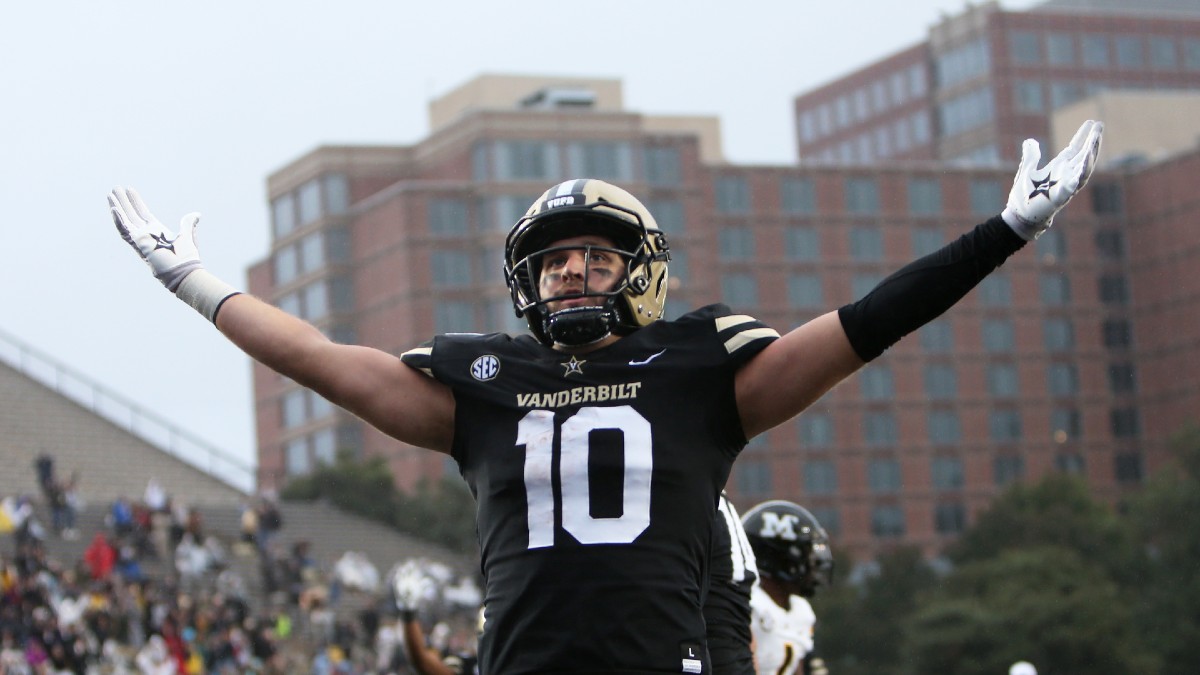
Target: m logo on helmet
x=779 y=526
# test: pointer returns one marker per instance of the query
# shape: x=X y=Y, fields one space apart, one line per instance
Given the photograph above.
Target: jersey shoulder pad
x=741 y=335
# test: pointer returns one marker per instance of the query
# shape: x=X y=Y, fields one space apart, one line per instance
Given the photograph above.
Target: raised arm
x=800 y=367
x=369 y=383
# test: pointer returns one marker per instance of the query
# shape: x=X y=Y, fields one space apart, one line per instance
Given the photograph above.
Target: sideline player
x=596 y=447
x=794 y=559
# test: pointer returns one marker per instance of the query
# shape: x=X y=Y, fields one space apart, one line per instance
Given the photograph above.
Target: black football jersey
x=732 y=573
x=596 y=477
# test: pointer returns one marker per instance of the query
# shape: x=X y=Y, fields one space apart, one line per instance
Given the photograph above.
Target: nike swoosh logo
x=648 y=359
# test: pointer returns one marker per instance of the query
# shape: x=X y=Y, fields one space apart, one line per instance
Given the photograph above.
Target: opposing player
x=794 y=559
x=731 y=574
x=597 y=446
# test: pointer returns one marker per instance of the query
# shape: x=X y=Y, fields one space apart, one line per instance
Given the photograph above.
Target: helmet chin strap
x=580 y=326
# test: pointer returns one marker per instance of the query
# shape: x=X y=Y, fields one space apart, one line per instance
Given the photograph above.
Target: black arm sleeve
x=920 y=291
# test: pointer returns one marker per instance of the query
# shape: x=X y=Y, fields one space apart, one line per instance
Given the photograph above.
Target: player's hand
x=171 y=256
x=1038 y=194
x=412 y=586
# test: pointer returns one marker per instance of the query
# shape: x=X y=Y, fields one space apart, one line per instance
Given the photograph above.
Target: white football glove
x=413 y=587
x=1038 y=194
x=173 y=258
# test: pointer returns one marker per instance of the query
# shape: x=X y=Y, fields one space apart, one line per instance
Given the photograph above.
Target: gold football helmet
x=581 y=207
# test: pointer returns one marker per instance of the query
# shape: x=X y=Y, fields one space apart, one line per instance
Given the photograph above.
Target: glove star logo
x=161 y=241
x=1042 y=187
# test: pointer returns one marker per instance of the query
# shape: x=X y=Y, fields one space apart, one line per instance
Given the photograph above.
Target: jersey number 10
x=535 y=432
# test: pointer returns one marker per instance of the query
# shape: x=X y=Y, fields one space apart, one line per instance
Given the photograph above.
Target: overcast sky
x=194 y=104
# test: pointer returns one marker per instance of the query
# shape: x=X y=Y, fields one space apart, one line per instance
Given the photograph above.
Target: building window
x=663 y=167
x=876 y=382
x=605 y=160
x=941 y=382
x=816 y=429
x=926 y=240
x=1125 y=423
x=887 y=521
x=967 y=111
x=1055 y=289
x=309 y=202
x=1065 y=425
x=337 y=193
x=1058 y=335
x=1060 y=49
x=883 y=475
x=879 y=428
x=949 y=518
x=1129 y=52
x=1070 y=463
x=1094 y=50
x=986 y=196
x=315 y=299
x=1004 y=426
x=733 y=194
x=1062 y=379
x=1127 y=467
x=1122 y=378
x=802 y=244
x=753 y=477
x=283 y=214
x=1007 y=469
x=1191 y=54
x=995 y=290
x=866 y=244
x=451 y=269
x=947 y=473
x=829 y=518
x=924 y=196
x=479 y=162
x=736 y=244
x=998 y=336
x=862 y=196
x=1002 y=380
x=937 y=337
x=1110 y=244
x=324 y=446
x=312 y=252
x=296 y=457
x=1028 y=96
x=1162 y=53
x=944 y=427
x=798 y=196
x=1107 y=199
x=739 y=290
x=527 y=160
x=1051 y=246
x=820 y=477
x=451 y=316
x=963 y=63
x=1114 y=290
x=861 y=284
x=805 y=291
x=294 y=408
x=668 y=213
x=341 y=294
x=286 y=266
x=449 y=218
x=1117 y=334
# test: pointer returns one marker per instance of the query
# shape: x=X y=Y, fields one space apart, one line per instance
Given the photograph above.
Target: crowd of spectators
x=154 y=592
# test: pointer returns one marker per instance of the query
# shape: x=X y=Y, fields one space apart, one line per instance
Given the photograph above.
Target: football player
x=794 y=559
x=596 y=446
x=732 y=573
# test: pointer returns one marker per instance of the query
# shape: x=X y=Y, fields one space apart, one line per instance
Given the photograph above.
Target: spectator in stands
x=100 y=557
x=120 y=518
x=43 y=465
x=270 y=521
x=155 y=497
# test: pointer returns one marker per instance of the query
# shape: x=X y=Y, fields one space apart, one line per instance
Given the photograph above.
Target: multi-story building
x=988 y=78
x=1066 y=359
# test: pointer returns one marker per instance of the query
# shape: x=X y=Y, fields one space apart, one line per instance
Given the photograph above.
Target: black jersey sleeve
x=741 y=335
x=420 y=358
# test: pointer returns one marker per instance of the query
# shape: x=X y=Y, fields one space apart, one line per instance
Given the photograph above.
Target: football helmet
x=581 y=207
x=789 y=545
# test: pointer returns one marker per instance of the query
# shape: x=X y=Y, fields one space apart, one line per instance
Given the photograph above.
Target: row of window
x=1161 y=53
x=549 y=161
x=304 y=453
x=310 y=253
x=889 y=139
x=871 y=99
x=325 y=195
x=884 y=478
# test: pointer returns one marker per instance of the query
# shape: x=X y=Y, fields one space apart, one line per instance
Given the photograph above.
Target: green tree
x=1167 y=614
x=1047 y=605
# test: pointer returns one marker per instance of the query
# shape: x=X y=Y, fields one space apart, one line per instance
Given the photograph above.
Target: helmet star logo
x=161 y=241
x=573 y=367
x=1042 y=187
